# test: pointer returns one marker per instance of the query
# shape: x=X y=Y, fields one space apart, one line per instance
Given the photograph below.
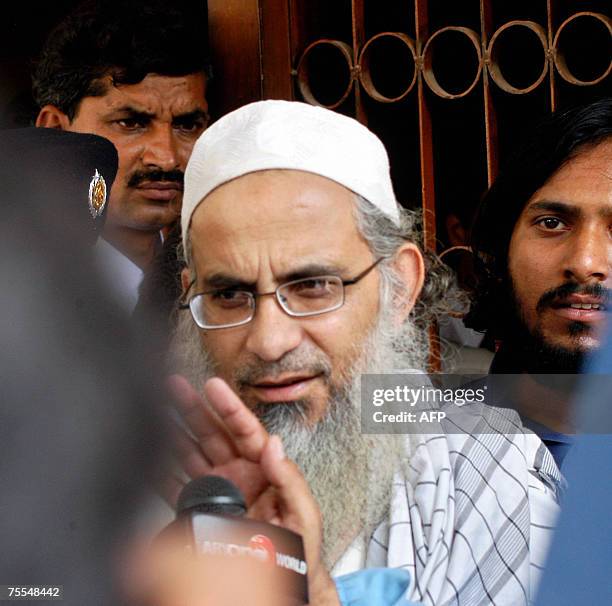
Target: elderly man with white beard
x=303 y=274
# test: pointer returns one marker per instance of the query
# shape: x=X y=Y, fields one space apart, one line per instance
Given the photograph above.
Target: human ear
x=186 y=279
x=409 y=266
x=52 y=117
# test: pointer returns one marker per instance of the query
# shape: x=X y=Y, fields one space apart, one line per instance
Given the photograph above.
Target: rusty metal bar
x=490 y=113
x=275 y=50
x=428 y=196
x=234 y=31
x=551 y=67
x=358 y=28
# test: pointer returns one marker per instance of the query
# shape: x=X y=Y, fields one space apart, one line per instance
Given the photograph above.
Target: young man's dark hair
x=126 y=40
x=549 y=146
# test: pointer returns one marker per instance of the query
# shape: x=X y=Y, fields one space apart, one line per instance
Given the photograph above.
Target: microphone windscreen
x=211 y=494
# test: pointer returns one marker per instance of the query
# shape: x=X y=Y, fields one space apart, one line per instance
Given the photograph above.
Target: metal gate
x=449 y=85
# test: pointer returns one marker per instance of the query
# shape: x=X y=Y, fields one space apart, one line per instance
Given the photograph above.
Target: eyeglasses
x=229 y=307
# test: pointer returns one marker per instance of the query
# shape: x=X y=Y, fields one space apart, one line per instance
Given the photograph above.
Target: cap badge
x=97 y=195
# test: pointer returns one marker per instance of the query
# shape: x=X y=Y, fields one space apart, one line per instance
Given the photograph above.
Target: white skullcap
x=289 y=135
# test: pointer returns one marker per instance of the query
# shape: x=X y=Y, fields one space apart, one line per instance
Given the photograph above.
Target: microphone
x=211 y=494
x=210 y=516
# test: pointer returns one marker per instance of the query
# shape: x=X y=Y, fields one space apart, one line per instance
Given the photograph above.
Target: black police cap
x=59 y=178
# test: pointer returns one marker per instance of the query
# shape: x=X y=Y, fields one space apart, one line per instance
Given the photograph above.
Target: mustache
x=142 y=176
x=293 y=361
x=561 y=293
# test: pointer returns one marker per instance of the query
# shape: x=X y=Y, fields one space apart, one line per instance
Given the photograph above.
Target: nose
x=160 y=150
x=272 y=333
x=589 y=258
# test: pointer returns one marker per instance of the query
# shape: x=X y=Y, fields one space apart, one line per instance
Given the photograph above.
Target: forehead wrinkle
x=247 y=259
x=168 y=95
x=254 y=204
x=284 y=218
x=278 y=241
x=248 y=233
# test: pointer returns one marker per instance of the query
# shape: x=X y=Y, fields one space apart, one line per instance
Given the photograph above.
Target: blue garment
x=557 y=443
x=578 y=571
x=374 y=587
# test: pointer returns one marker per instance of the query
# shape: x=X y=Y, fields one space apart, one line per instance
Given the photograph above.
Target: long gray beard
x=349 y=473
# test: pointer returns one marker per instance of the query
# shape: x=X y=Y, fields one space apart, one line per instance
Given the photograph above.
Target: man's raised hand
x=225 y=439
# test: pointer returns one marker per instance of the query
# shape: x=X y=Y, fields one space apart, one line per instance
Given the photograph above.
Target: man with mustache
x=303 y=273
x=136 y=74
x=542 y=240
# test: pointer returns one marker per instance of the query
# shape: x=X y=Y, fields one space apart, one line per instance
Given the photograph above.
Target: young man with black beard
x=542 y=241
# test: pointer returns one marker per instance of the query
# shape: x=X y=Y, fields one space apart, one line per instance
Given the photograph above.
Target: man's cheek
x=214 y=355
x=525 y=301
